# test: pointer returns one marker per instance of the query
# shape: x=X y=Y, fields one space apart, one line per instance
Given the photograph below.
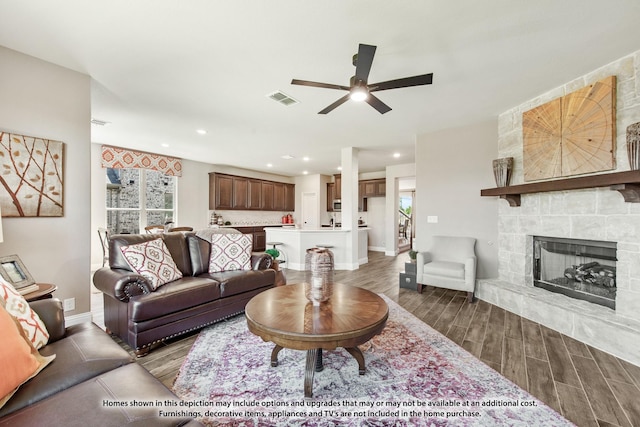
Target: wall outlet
x=432 y=219
x=69 y=304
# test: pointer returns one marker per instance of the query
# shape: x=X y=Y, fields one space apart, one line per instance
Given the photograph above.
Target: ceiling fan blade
x=424 y=79
x=338 y=103
x=377 y=104
x=365 y=59
x=316 y=84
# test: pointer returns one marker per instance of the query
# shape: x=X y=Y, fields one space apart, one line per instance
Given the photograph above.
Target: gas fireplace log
x=592 y=272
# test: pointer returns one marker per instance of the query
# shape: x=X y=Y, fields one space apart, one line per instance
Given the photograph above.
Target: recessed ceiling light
x=305 y=158
x=288 y=157
x=269 y=165
x=165 y=145
x=201 y=131
x=305 y=173
x=396 y=155
x=339 y=168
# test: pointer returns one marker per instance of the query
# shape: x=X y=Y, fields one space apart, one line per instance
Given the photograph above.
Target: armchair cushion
x=445 y=268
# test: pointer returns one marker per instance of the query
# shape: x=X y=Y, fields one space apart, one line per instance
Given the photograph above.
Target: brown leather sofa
x=142 y=317
x=89 y=370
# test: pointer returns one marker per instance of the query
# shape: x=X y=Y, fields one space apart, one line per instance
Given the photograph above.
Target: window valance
x=122 y=158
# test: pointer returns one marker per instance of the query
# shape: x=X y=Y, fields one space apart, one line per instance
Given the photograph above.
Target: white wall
x=45 y=100
x=452 y=166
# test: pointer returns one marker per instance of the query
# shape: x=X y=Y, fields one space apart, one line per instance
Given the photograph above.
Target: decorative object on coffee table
x=633 y=146
x=502 y=169
x=319 y=267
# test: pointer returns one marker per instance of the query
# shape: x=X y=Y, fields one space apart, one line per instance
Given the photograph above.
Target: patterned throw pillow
x=230 y=252
x=19 y=359
x=19 y=308
x=152 y=261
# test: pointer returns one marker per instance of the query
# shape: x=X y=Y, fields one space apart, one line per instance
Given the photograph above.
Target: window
x=137 y=198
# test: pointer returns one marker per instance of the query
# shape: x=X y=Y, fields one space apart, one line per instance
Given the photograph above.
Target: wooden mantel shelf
x=627 y=183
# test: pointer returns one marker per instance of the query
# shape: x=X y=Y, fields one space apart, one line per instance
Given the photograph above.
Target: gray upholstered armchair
x=449 y=263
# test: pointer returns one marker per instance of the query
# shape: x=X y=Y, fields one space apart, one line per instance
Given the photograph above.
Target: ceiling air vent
x=282 y=98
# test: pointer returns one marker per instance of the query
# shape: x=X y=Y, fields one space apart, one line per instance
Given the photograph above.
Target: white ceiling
x=163 y=68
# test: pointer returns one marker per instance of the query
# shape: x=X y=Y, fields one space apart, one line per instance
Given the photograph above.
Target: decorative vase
x=502 y=171
x=318 y=284
x=633 y=146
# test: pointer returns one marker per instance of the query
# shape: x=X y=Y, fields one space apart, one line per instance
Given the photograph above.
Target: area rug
x=414 y=377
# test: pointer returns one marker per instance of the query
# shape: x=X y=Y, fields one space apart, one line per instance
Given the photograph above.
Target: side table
x=408 y=278
x=45 y=290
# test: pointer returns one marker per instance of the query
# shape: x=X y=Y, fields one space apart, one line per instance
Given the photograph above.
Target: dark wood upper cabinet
x=255 y=194
x=231 y=192
x=220 y=191
x=337 y=190
x=278 y=196
x=289 y=197
x=240 y=193
x=374 y=188
x=267 y=196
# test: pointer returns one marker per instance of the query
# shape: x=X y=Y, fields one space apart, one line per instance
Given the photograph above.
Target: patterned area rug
x=415 y=377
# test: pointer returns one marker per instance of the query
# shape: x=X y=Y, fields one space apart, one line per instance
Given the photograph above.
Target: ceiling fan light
x=359 y=94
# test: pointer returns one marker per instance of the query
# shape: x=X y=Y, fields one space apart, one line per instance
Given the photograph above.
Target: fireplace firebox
x=582 y=269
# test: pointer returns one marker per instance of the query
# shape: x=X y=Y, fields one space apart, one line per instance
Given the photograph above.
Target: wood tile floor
x=585 y=385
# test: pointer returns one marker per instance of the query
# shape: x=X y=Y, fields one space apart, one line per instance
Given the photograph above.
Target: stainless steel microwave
x=337 y=205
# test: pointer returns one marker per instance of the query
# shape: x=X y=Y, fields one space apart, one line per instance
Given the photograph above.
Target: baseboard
x=376 y=248
x=76 y=319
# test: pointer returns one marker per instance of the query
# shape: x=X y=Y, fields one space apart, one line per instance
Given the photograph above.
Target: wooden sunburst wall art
x=571 y=135
x=31 y=176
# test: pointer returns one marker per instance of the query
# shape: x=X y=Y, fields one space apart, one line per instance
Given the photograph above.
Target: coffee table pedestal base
x=314 y=364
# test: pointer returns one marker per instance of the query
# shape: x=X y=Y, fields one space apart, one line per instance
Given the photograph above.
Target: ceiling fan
x=359 y=89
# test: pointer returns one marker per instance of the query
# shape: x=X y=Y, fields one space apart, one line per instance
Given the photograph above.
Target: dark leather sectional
x=89 y=369
x=142 y=317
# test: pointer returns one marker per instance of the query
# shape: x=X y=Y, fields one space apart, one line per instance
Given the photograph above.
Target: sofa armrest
x=422 y=258
x=261 y=261
x=121 y=284
x=51 y=313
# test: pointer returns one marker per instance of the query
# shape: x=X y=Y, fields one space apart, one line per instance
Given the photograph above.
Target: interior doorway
x=406 y=222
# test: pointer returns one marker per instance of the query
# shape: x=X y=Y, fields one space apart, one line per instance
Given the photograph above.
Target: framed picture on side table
x=13 y=271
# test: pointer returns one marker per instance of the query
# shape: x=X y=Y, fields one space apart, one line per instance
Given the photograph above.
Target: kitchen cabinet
x=240 y=193
x=267 y=196
x=255 y=194
x=374 y=188
x=230 y=192
x=289 y=197
x=278 y=196
x=337 y=192
x=220 y=191
x=330 y=196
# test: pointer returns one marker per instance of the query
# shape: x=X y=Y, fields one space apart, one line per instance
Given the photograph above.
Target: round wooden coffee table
x=284 y=316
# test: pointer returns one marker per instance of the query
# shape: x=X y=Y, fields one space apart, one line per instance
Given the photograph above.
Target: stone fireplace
x=595 y=214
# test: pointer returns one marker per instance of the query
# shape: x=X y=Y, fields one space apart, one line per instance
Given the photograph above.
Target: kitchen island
x=296 y=241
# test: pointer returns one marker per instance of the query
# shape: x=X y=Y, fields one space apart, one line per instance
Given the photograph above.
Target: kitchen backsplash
x=251 y=218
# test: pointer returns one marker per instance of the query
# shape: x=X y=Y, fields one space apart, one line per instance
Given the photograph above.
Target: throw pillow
x=230 y=252
x=19 y=359
x=18 y=307
x=152 y=261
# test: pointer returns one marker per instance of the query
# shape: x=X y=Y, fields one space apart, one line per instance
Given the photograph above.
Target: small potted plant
x=274 y=254
x=413 y=254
